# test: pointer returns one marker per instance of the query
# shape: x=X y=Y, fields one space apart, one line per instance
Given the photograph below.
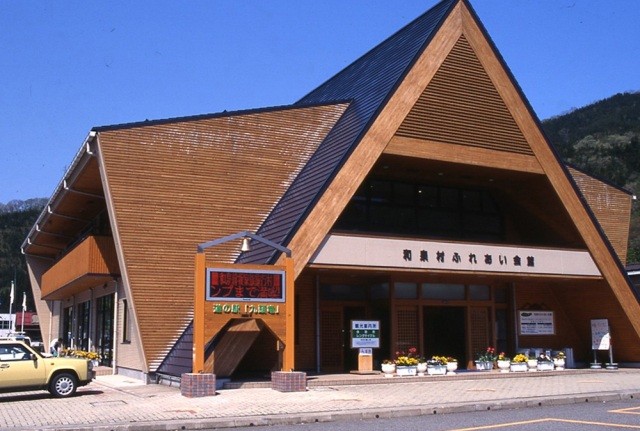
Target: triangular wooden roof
x=173 y=184
x=390 y=87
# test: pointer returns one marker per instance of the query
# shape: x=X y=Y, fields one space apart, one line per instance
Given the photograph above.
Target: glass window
x=126 y=324
x=380 y=291
x=380 y=191
x=479 y=292
x=501 y=295
x=443 y=291
x=427 y=196
x=404 y=194
x=472 y=200
x=387 y=206
x=342 y=292
x=448 y=198
x=405 y=290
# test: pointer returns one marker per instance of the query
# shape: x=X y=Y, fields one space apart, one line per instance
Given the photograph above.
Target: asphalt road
x=573 y=417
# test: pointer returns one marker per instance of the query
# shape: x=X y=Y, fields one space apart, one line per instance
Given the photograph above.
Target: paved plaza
x=118 y=403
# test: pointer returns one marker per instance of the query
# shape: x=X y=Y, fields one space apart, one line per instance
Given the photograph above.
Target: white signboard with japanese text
x=536 y=322
x=600 y=336
x=419 y=254
x=365 y=334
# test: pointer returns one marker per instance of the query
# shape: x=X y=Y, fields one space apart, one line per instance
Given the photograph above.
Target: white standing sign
x=600 y=335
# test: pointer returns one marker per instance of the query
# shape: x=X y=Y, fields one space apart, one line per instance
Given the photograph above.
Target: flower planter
x=484 y=365
x=504 y=366
x=421 y=368
x=532 y=364
x=545 y=366
x=436 y=370
x=452 y=367
x=518 y=367
x=388 y=369
x=559 y=364
x=406 y=370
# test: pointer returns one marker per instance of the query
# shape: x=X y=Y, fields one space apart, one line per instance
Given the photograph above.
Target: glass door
x=104 y=329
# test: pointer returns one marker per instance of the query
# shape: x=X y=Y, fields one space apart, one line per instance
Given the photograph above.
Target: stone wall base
x=198 y=385
x=289 y=381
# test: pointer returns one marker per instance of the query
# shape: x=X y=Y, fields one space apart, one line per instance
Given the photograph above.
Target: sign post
x=365 y=336
x=601 y=340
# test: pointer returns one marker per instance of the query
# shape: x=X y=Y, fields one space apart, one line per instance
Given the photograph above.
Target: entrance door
x=104 y=329
x=336 y=354
x=445 y=332
x=350 y=355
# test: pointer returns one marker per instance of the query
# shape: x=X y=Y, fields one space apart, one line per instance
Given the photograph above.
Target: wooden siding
x=574 y=305
x=128 y=354
x=612 y=208
x=174 y=185
x=461 y=106
x=306 y=322
x=554 y=171
x=557 y=183
x=90 y=263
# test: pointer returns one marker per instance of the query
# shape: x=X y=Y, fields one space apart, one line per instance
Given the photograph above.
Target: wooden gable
x=519 y=146
x=175 y=184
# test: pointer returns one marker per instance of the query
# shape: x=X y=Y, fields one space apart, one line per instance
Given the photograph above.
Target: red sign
x=235 y=285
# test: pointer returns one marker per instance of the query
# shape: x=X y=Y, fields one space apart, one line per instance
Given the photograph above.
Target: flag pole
x=11 y=320
x=24 y=308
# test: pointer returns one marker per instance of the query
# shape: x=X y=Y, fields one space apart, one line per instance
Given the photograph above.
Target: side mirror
x=34 y=357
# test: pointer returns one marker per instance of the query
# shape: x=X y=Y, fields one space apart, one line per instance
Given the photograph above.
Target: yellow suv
x=24 y=369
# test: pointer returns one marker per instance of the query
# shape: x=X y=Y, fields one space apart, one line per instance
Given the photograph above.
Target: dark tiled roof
x=368 y=83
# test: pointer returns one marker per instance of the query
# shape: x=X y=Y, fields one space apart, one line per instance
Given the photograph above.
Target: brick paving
x=119 y=403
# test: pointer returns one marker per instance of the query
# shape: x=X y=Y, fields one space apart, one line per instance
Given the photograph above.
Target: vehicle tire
x=63 y=385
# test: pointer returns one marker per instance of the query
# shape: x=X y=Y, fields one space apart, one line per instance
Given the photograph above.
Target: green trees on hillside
x=16 y=218
x=603 y=140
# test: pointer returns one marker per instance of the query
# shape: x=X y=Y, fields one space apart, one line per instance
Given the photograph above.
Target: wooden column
x=198 y=315
x=288 y=363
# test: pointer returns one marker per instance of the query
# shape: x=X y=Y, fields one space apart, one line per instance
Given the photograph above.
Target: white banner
x=398 y=253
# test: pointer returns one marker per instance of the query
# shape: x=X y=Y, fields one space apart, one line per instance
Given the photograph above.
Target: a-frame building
x=414 y=188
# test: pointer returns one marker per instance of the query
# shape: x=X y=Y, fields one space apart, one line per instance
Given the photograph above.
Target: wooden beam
x=424 y=149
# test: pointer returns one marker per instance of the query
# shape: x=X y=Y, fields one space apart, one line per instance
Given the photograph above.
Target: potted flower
x=559 y=361
x=437 y=366
x=388 y=367
x=407 y=362
x=452 y=365
x=544 y=362
x=422 y=365
x=519 y=363
x=504 y=363
x=532 y=363
x=74 y=353
x=486 y=359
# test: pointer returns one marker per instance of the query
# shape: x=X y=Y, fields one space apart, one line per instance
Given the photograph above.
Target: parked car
x=17 y=336
x=23 y=368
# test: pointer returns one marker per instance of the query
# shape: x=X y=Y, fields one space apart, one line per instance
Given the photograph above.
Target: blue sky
x=69 y=66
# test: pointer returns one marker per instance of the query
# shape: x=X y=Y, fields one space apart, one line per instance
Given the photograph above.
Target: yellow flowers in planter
x=80 y=354
x=519 y=358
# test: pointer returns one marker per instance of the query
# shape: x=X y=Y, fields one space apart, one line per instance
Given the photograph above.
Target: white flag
x=13 y=288
x=24 y=302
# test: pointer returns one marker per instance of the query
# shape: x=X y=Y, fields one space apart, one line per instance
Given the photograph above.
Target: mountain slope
x=603 y=139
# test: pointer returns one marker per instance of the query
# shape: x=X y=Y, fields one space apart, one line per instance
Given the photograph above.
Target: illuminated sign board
x=245 y=285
